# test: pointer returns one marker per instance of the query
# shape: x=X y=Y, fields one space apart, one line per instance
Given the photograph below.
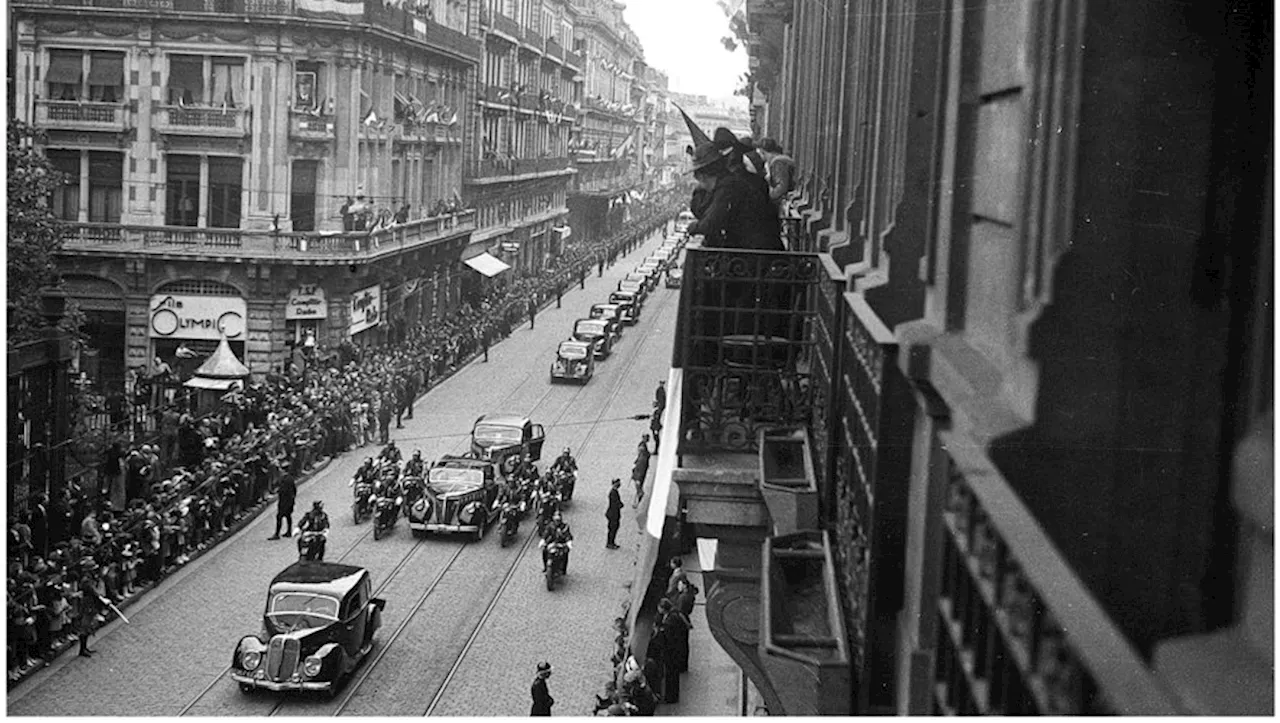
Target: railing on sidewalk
x=744 y=340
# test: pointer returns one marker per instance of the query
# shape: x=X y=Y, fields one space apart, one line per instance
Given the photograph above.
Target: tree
x=34 y=234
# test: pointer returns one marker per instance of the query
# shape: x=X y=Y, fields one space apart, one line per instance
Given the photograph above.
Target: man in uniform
x=557 y=531
x=542 y=700
x=613 y=514
x=314 y=521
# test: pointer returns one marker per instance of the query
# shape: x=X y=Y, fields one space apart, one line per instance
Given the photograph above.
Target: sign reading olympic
x=197 y=317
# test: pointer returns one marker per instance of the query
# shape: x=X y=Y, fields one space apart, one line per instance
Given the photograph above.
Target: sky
x=682 y=39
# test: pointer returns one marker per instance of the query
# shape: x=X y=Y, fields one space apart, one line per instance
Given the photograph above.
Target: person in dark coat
x=738 y=212
x=533 y=311
x=641 y=468
x=669 y=630
x=677 y=631
x=384 y=419
x=284 y=507
x=613 y=514
x=542 y=700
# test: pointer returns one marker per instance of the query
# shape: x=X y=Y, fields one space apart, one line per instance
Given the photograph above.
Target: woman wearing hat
x=542 y=700
x=738 y=213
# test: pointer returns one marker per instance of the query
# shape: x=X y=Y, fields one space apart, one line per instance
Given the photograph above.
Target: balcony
x=203 y=121
x=574 y=60
x=555 y=50
x=304 y=126
x=399 y=20
x=533 y=40
x=508 y=27
x=81 y=115
x=509 y=169
x=88 y=239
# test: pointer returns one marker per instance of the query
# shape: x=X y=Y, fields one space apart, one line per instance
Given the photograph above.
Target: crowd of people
x=74 y=557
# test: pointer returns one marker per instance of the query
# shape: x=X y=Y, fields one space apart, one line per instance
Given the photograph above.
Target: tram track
x=358 y=680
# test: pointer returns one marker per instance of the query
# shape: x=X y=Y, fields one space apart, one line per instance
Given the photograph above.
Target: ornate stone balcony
x=202 y=121
x=81 y=115
x=92 y=239
x=304 y=126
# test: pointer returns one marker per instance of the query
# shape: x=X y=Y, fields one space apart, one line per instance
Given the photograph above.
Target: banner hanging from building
x=366 y=309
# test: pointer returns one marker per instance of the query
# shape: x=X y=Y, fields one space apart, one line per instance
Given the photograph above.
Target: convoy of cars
x=504 y=438
x=460 y=494
x=575 y=361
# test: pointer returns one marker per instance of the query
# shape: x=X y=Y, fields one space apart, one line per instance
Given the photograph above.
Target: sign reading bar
x=175 y=316
x=306 y=302
x=366 y=309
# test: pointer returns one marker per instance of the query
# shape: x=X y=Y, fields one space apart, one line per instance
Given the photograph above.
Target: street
x=465 y=622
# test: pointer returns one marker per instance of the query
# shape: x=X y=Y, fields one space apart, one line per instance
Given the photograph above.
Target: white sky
x=682 y=39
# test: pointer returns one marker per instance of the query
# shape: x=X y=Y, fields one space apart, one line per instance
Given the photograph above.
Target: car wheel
x=355 y=512
x=377 y=530
x=551 y=577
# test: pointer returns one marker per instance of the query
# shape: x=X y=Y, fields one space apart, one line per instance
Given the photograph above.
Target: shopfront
x=186 y=327
x=366 y=316
x=305 y=315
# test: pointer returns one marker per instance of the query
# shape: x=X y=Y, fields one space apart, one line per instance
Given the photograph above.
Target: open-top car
x=628 y=306
x=597 y=333
x=460 y=495
x=503 y=438
x=318 y=624
x=674 y=277
x=574 y=361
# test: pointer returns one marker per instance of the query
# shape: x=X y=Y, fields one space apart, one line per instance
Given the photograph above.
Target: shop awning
x=220 y=385
x=487 y=264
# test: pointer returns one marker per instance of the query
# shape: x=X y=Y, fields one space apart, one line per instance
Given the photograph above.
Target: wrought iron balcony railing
x=201 y=120
x=507 y=26
x=85 y=115
x=534 y=38
x=336 y=247
x=499 y=167
x=745 y=343
x=554 y=49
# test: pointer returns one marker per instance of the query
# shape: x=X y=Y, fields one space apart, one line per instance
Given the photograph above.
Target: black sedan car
x=318 y=624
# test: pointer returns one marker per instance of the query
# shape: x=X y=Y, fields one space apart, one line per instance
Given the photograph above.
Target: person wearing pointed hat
x=542 y=700
x=738 y=213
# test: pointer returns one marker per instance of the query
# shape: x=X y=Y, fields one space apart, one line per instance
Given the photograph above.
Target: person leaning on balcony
x=781 y=167
x=738 y=213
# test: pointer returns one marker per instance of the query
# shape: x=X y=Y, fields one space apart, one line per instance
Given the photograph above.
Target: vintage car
x=319 y=625
x=651 y=268
x=642 y=279
x=608 y=312
x=596 y=332
x=674 y=277
x=575 y=361
x=683 y=220
x=628 y=306
x=502 y=438
x=460 y=494
x=639 y=288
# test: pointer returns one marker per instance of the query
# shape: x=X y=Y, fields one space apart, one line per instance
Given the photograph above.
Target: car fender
x=333 y=661
x=247 y=643
x=376 y=606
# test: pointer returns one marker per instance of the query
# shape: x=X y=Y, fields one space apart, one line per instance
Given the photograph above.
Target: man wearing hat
x=542 y=700
x=640 y=469
x=613 y=514
x=738 y=213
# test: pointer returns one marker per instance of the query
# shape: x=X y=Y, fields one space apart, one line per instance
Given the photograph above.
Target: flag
x=370 y=118
x=453 y=118
x=699 y=136
x=617 y=152
x=343 y=9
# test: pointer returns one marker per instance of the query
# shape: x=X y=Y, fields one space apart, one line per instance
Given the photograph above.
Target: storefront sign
x=306 y=302
x=366 y=309
x=198 y=317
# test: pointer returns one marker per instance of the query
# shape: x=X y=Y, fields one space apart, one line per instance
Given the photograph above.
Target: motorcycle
x=386 y=510
x=510 y=521
x=311 y=545
x=557 y=561
x=566 y=480
x=361 y=507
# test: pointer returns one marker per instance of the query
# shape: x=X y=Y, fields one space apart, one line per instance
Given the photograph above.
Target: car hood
x=309 y=638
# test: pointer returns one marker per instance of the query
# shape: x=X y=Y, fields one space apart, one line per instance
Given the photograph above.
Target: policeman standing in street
x=542 y=700
x=613 y=514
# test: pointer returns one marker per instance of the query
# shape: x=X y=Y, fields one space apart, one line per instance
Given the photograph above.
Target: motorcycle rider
x=314 y=521
x=391 y=453
x=565 y=461
x=414 y=467
x=556 y=531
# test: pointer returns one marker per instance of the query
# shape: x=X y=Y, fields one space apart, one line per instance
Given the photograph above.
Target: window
x=224 y=192
x=65 y=202
x=306 y=86
x=182 y=190
x=106 y=77
x=222 y=87
x=106 y=186
x=66 y=68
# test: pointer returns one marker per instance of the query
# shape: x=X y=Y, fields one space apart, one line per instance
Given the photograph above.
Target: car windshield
x=589 y=327
x=601 y=311
x=302 y=610
x=573 y=351
x=492 y=433
x=446 y=482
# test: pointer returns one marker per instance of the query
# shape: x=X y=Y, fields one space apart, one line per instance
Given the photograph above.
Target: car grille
x=282 y=657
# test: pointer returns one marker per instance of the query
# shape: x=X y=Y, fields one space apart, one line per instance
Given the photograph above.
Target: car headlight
x=250 y=660
x=311 y=666
x=420 y=505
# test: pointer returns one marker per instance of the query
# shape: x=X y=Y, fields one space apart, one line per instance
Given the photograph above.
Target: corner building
x=210 y=147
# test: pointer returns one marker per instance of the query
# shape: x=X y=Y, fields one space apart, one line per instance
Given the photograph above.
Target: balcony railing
x=86 y=115
x=337 y=246
x=1018 y=632
x=574 y=60
x=498 y=167
x=554 y=49
x=534 y=38
x=308 y=127
x=194 y=120
x=744 y=341
x=507 y=26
